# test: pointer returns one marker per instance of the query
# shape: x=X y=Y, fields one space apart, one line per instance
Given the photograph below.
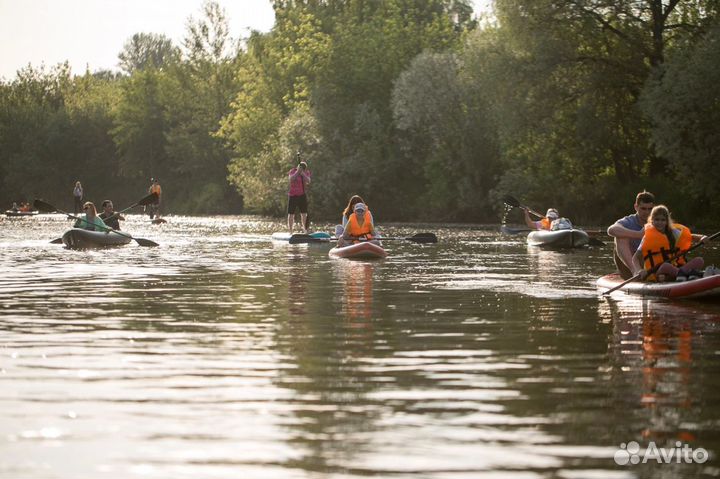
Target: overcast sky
x=93 y=32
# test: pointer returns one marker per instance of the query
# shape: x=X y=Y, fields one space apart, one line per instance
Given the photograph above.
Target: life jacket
x=656 y=247
x=155 y=188
x=545 y=223
x=354 y=229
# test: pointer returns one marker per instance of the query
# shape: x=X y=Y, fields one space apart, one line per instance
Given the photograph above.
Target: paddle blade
x=304 y=239
x=510 y=200
x=149 y=199
x=145 y=242
x=422 y=238
x=56 y=241
x=41 y=205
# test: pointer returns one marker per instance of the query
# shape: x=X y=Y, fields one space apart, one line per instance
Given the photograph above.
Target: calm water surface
x=221 y=354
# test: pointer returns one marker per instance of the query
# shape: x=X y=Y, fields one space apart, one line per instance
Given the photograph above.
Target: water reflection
x=654 y=346
x=356 y=279
x=220 y=354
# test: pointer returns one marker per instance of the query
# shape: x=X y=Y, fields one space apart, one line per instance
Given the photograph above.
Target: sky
x=91 y=33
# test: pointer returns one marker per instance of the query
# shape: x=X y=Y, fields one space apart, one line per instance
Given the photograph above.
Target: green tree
x=683 y=99
x=147 y=50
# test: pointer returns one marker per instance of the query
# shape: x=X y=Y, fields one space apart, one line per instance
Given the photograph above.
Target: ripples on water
x=223 y=354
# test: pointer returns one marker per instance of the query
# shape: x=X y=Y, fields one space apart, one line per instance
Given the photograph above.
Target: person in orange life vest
x=297 y=194
x=662 y=241
x=155 y=205
x=544 y=224
x=359 y=226
x=354 y=199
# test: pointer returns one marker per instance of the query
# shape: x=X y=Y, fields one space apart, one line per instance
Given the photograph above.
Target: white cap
x=552 y=213
x=360 y=206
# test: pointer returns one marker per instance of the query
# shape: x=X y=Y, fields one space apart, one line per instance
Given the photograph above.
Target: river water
x=220 y=354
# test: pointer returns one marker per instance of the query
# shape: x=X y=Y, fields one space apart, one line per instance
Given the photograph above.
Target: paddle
x=417 y=238
x=655 y=268
x=510 y=200
x=48 y=208
x=146 y=200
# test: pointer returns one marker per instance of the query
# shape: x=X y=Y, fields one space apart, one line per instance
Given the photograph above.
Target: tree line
x=424 y=109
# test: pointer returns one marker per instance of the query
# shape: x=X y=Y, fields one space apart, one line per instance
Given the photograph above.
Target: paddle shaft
x=655 y=268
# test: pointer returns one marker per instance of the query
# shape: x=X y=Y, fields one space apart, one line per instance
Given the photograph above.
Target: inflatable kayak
x=695 y=288
x=15 y=214
x=78 y=238
x=362 y=250
x=571 y=238
x=285 y=237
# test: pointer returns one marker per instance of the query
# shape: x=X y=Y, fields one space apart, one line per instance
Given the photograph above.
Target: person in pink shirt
x=297 y=194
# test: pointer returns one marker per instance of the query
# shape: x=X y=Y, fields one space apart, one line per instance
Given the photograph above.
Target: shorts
x=295 y=202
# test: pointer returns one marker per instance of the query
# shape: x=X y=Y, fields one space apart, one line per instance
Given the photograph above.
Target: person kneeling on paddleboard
x=359 y=227
x=660 y=255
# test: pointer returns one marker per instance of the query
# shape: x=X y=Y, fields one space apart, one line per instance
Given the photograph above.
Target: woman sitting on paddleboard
x=91 y=221
x=359 y=226
x=662 y=247
x=355 y=199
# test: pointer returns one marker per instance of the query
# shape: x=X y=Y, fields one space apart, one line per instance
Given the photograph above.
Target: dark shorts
x=624 y=271
x=295 y=202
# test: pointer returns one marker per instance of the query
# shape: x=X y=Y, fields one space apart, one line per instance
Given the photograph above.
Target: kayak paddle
x=48 y=208
x=655 y=268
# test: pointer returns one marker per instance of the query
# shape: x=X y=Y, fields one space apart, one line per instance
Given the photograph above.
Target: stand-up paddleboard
x=362 y=250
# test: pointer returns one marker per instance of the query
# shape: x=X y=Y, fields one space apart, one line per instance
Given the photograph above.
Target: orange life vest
x=354 y=228
x=155 y=188
x=656 y=247
x=545 y=223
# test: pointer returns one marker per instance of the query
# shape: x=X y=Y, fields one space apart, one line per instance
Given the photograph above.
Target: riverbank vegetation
x=422 y=107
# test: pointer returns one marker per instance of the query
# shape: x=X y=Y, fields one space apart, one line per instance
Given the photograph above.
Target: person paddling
x=156 y=189
x=665 y=240
x=359 y=227
x=544 y=223
x=90 y=221
x=109 y=216
x=300 y=178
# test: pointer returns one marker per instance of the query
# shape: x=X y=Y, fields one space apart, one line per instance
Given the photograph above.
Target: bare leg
x=696 y=263
x=669 y=271
x=303 y=220
x=291 y=221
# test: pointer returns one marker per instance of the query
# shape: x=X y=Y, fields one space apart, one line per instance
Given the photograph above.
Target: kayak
x=15 y=214
x=362 y=250
x=78 y=238
x=158 y=221
x=692 y=289
x=572 y=238
x=285 y=236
